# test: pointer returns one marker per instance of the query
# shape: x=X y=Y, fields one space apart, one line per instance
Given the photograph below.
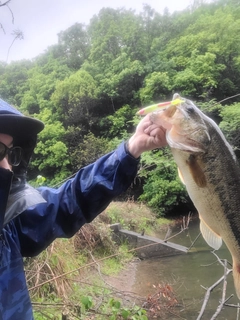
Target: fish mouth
x=164 y=117
x=185 y=127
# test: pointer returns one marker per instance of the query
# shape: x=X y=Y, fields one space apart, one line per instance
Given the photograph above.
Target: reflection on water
x=188 y=274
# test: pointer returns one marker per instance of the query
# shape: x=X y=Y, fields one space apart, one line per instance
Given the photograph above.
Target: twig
x=88 y=265
x=209 y=290
x=176 y=234
x=194 y=241
x=219 y=308
x=5 y=3
x=99 y=270
x=236 y=95
x=207 y=296
x=18 y=35
x=230 y=304
x=184 y=227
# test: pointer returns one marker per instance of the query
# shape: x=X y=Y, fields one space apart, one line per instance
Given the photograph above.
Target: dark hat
x=17 y=125
x=24 y=131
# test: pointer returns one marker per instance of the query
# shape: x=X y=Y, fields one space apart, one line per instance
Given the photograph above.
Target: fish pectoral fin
x=212 y=239
x=196 y=171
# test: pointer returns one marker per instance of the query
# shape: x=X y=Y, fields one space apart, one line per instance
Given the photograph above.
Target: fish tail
x=236 y=276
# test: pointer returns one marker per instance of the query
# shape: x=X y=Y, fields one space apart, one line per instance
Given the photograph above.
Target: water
x=188 y=274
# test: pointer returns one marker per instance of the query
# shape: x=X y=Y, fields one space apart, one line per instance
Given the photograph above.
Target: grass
x=92 y=254
x=135 y=217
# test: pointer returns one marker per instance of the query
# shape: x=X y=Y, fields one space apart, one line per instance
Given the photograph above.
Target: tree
x=88 y=150
x=71 y=92
x=157 y=87
x=74 y=45
x=51 y=158
x=162 y=190
x=14 y=77
x=200 y=76
x=120 y=123
x=209 y=35
x=40 y=84
x=230 y=125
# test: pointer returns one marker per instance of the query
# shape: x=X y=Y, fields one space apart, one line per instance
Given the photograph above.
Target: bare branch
x=194 y=241
x=184 y=226
x=18 y=35
x=219 y=308
x=236 y=95
x=5 y=3
x=210 y=289
x=1 y=27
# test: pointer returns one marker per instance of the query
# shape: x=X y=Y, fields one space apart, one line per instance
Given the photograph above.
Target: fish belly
x=214 y=193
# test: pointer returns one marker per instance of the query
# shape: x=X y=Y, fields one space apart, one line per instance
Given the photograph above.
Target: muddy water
x=188 y=274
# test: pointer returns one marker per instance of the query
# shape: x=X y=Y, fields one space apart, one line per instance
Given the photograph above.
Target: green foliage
x=208 y=36
x=230 y=124
x=86 y=303
x=113 y=310
x=116 y=311
x=162 y=195
x=40 y=85
x=163 y=191
x=88 y=151
x=120 y=123
x=72 y=89
x=200 y=75
x=157 y=87
x=86 y=90
x=87 y=87
x=13 y=81
x=51 y=154
x=39 y=181
x=230 y=118
x=74 y=46
x=74 y=98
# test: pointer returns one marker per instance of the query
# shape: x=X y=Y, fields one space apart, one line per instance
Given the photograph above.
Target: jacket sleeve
x=76 y=202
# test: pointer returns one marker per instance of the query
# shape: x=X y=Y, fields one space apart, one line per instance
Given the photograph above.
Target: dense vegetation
x=88 y=86
x=87 y=89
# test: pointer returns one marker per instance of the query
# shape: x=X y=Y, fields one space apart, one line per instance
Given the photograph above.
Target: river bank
x=92 y=266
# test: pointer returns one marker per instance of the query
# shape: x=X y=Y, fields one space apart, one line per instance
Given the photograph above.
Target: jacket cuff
x=125 y=156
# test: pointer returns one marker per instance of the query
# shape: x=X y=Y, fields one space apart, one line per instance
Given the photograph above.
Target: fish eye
x=190 y=110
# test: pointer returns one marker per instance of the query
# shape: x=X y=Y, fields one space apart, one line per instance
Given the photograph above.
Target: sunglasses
x=14 y=154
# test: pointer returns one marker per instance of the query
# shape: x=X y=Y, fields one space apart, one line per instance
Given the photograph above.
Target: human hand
x=148 y=136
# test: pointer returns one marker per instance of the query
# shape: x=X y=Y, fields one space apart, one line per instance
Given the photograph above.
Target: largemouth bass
x=208 y=167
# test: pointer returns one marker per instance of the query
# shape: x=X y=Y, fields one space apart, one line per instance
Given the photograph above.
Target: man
x=31 y=219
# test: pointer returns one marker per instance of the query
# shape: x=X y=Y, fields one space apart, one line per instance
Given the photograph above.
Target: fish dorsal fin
x=212 y=239
x=181 y=176
x=196 y=171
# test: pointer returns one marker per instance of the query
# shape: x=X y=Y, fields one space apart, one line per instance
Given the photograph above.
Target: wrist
x=132 y=147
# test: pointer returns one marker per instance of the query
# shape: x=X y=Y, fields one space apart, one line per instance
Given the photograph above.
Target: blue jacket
x=61 y=213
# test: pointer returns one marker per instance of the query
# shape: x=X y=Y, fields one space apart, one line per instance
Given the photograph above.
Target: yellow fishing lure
x=161 y=105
